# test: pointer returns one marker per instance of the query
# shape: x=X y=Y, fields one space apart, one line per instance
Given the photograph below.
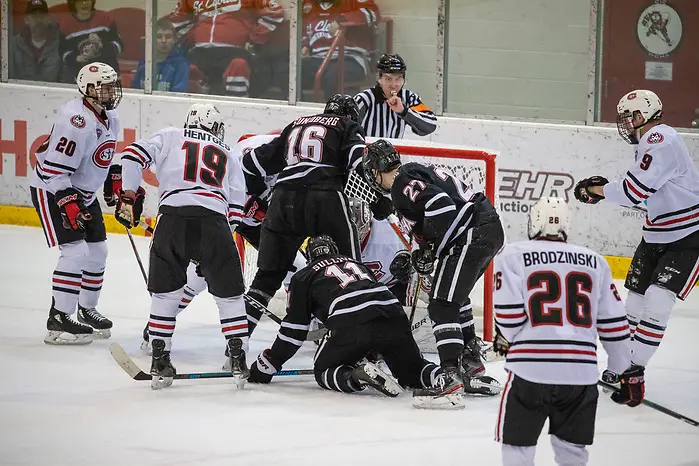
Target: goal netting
x=474 y=166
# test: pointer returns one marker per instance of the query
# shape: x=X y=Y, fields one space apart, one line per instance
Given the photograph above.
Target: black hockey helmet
x=379 y=157
x=391 y=63
x=319 y=246
x=343 y=105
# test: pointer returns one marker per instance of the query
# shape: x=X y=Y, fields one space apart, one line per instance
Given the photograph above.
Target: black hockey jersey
x=440 y=206
x=316 y=151
x=338 y=291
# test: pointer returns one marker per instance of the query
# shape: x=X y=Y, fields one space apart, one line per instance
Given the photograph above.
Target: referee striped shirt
x=378 y=120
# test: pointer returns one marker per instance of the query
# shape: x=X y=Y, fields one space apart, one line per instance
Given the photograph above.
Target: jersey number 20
x=214 y=162
x=578 y=288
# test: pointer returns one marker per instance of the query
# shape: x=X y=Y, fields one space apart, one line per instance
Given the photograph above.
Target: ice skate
x=145 y=344
x=446 y=393
x=238 y=365
x=369 y=374
x=63 y=330
x=471 y=361
x=102 y=327
x=161 y=368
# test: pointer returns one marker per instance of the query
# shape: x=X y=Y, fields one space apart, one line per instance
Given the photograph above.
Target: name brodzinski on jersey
x=560 y=257
x=204 y=136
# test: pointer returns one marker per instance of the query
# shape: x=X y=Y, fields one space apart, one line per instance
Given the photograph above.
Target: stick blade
x=126 y=363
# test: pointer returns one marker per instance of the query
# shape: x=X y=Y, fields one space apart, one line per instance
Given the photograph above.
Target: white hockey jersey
x=78 y=152
x=378 y=249
x=239 y=150
x=194 y=168
x=552 y=299
x=664 y=175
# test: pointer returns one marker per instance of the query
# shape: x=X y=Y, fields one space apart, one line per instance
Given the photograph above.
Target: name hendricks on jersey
x=559 y=257
x=204 y=136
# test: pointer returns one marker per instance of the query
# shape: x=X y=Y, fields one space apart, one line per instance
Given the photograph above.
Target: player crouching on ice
x=665 y=265
x=552 y=300
x=362 y=317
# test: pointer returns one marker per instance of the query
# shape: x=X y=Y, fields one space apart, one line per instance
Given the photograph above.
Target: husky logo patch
x=655 y=138
x=99 y=133
x=104 y=154
x=78 y=121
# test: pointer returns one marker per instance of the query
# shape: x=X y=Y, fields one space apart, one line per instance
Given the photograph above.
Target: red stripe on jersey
x=505 y=392
x=615 y=329
x=136 y=153
x=65 y=282
x=92 y=282
x=234 y=327
x=163 y=326
x=552 y=351
x=207 y=194
x=44 y=214
x=235 y=214
x=51 y=172
x=635 y=191
x=673 y=221
x=649 y=334
x=509 y=316
x=690 y=284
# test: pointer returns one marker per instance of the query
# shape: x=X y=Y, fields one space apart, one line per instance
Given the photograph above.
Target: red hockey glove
x=256 y=208
x=633 y=387
x=73 y=209
x=130 y=207
x=112 y=185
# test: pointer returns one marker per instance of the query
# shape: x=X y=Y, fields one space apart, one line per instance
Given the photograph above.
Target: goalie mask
x=319 y=246
x=379 y=157
x=99 y=83
x=635 y=110
x=206 y=117
x=549 y=218
x=361 y=216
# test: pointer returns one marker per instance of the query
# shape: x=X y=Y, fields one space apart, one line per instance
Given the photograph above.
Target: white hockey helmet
x=645 y=102
x=549 y=217
x=99 y=82
x=361 y=216
x=206 y=117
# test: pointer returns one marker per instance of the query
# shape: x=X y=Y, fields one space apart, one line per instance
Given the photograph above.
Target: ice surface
x=75 y=406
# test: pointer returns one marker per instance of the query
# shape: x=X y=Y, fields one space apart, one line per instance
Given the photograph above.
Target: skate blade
x=227 y=366
x=146 y=348
x=240 y=381
x=57 y=337
x=445 y=402
x=103 y=334
x=388 y=386
x=158 y=382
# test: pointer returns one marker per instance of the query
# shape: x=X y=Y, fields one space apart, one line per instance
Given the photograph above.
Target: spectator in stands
x=34 y=50
x=322 y=19
x=87 y=35
x=173 y=67
x=222 y=36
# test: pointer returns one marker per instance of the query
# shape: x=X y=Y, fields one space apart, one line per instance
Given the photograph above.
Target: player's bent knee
x=659 y=302
x=568 y=454
x=98 y=252
x=77 y=250
x=443 y=311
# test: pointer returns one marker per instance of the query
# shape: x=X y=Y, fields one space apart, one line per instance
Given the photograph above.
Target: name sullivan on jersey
x=560 y=257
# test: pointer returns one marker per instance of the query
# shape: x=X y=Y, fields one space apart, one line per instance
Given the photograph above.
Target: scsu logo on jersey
x=104 y=154
x=655 y=138
x=78 y=121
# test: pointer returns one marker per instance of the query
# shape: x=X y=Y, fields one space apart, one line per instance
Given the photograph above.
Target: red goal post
x=477 y=167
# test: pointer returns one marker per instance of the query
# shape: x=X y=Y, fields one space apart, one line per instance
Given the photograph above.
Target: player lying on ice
x=362 y=317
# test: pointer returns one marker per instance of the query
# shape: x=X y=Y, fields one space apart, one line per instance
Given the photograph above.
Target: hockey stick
x=656 y=406
x=138 y=257
x=135 y=372
x=313 y=335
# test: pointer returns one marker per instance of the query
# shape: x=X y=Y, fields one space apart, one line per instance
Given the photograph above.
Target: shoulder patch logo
x=99 y=133
x=78 y=121
x=655 y=138
x=104 y=154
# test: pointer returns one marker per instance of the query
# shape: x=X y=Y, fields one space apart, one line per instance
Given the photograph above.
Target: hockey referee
x=386 y=108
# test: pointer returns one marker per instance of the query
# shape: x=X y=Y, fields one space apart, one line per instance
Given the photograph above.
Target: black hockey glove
x=112 y=185
x=264 y=367
x=73 y=209
x=423 y=260
x=130 y=207
x=382 y=208
x=633 y=387
x=256 y=208
x=500 y=344
x=400 y=267
x=583 y=195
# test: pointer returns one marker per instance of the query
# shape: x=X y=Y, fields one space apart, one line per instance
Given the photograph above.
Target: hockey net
x=474 y=166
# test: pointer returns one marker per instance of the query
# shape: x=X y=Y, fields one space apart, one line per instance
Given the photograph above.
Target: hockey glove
x=264 y=367
x=633 y=387
x=73 y=210
x=583 y=195
x=130 y=207
x=382 y=208
x=400 y=267
x=423 y=260
x=112 y=185
x=256 y=208
x=500 y=344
